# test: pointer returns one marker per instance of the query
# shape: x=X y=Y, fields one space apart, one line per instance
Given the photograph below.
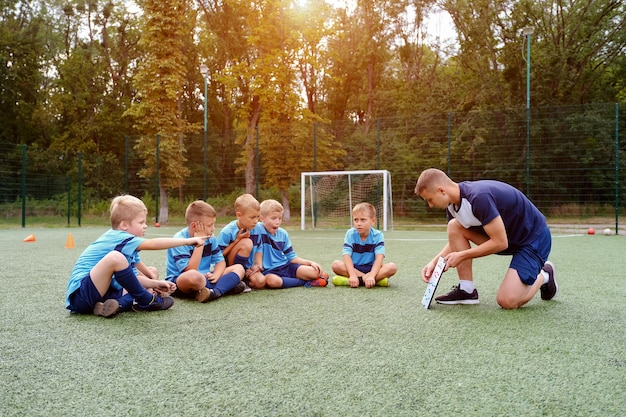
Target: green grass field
x=331 y=351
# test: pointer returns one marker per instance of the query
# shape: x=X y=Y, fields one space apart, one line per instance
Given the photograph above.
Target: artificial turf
x=333 y=351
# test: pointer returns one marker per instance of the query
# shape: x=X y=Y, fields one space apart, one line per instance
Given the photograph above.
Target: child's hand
x=369 y=281
x=198 y=241
x=164 y=288
x=243 y=233
x=253 y=270
x=354 y=281
x=211 y=277
x=317 y=266
x=200 y=230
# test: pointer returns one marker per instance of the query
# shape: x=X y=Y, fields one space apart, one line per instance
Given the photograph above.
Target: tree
x=159 y=81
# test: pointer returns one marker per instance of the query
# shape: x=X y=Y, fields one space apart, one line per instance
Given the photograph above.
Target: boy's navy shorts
x=363 y=268
x=287 y=270
x=86 y=296
x=529 y=260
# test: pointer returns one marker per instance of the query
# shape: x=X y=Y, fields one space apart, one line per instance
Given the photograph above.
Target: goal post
x=327 y=197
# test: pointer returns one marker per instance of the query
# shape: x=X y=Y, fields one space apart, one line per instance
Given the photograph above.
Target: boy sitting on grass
x=239 y=241
x=104 y=280
x=189 y=267
x=363 y=252
x=281 y=266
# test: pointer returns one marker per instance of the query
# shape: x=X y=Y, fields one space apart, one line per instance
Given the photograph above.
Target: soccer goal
x=328 y=197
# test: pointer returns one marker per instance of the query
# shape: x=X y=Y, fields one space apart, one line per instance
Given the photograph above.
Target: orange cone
x=69 y=243
x=30 y=238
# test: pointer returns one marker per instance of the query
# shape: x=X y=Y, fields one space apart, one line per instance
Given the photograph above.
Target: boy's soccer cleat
x=340 y=281
x=382 y=283
x=205 y=295
x=319 y=282
x=550 y=289
x=322 y=281
x=157 y=303
x=237 y=289
x=458 y=296
x=107 y=309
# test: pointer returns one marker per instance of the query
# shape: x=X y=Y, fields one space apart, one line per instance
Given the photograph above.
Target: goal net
x=328 y=197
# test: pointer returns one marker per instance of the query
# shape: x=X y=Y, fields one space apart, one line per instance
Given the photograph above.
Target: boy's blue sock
x=289 y=282
x=128 y=280
x=226 y=283
x=125 y=302
x=240 y=260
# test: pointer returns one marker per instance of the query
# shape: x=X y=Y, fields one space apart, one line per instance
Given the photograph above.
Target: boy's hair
x=431 y=177
x=246 y=202
x=367 y=208
x=270 y=206
x=198 y=210
x=125 y=208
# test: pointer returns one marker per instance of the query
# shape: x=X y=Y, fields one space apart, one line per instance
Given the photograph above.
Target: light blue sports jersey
x=364 y=252
x=178 y=257
x=277 y=250
x=229 y=233
x=112 y=240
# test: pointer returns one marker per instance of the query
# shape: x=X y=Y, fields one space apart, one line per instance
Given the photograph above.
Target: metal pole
x=23 y=186
x=377 y=144
x=616 y=168
x=256 y=162
x=314 y=146
x=126 y=159
x=204 y=148
x=527 y=32
x=80 y=188
x=156 y=180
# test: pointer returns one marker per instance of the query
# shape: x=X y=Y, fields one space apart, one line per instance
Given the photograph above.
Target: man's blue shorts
x=287 y=270
x=529 y=260
x=86 y=296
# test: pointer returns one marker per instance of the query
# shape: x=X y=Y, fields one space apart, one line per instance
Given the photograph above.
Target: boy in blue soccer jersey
x=105 y=281
x=281 y=265
x=490 y=217
x=190 y=267
x=239 y=240
x=363 y=252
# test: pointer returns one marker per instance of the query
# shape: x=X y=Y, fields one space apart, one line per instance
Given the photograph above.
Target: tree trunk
x=250 y=145
x=287 y=212
x=164 y=208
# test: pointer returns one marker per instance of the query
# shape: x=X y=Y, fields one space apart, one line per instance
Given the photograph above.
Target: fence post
x=156 y=180
x=314 y=146
x=449 y=143
x=126 y=157
x=69 y=198
x=23 y=186
x=256 y=162
x=616 y=168
x=378 y=143
x=80 y=187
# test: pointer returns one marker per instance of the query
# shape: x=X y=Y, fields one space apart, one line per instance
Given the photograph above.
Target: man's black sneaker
x=458 y=296
x=157 y=303
x=237 y=289
x=550 y=288
x=107 y=309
